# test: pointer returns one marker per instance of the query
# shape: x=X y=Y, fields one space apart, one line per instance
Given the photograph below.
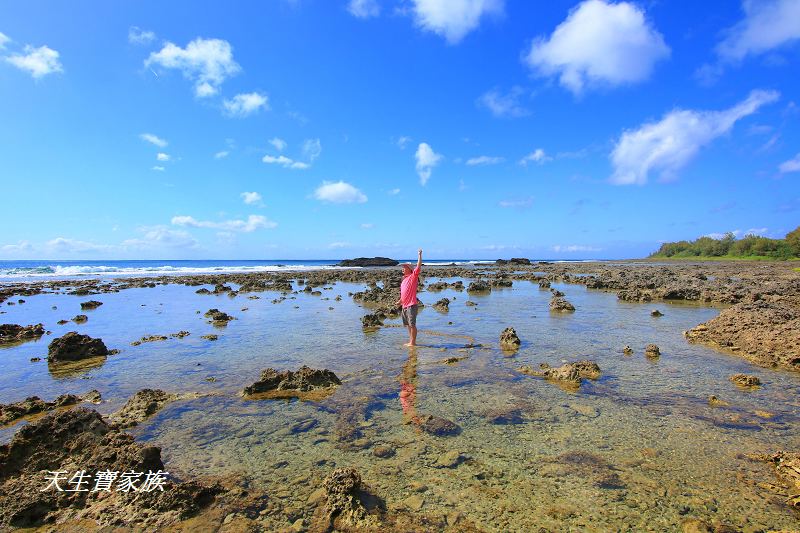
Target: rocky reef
x=305 y=383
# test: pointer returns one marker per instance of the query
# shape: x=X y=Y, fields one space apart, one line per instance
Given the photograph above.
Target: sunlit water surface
x=639 y=449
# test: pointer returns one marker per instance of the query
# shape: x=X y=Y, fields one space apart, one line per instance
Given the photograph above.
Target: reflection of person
x=408 y=298
x=408 y=389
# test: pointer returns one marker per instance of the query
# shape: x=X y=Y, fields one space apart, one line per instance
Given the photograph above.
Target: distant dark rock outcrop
x=368 y=262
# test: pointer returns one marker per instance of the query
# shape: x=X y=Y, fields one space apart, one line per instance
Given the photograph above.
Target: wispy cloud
x=278 y=143
x=484 y=160
x=767 y=24
x=792 y=165
x=571 y=248
x=252 y=223
x=137 y=35
x=161 y=156
x=245 y=104
x=538 y=156
x=364 y=9
x=504 y=105
x=221 y=154
x=153 y=139
x=668 y=145
x=252 y=198
x=519 y=203
x=599 y=44
x=285 y=162
x=37 y=61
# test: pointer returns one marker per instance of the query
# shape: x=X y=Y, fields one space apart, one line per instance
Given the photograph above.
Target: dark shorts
x=409 y=315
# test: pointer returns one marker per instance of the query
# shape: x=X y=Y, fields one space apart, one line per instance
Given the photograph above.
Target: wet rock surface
x=509 y=340
x=91 y=304
x=14 y=333
x=765 y=331
x=80 y=439
x=140 y=407
x=569 y=375
x=73 y=347
x=346 y=504
x=442 y=305
x=745 y=380
x=33 y=405
x=218 y=317
x=372 y=321
x=305 y=383
x=652 y=351
x=559 y=304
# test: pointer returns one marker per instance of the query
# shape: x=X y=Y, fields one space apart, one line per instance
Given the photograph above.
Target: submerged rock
x=479 y=286
x=209 y=337
x=438 y=426
x=80 y=439
x=627 y=350
x=442 y=305
x=305 y=383
x=91 y=304
x=149 y=338
x=73 y=347
x=509 y=340
x=14 y=333
x=141 y=406
x=80 y=319
x=652 y=350
x=218 y=317
x=569 y=375
x=372 y=321
x=561 y=305
x=656 y=313
x=344 y=507
x=745 y=380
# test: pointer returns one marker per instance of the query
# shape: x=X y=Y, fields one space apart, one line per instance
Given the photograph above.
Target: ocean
x=34 y=269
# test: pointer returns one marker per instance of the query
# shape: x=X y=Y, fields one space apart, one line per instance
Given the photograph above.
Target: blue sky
x=335 y=128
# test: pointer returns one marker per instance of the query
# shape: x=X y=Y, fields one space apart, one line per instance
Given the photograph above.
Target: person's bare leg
x=413 y=335
x=409 y=337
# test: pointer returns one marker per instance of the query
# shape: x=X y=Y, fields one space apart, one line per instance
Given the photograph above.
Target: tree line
x=751 y=246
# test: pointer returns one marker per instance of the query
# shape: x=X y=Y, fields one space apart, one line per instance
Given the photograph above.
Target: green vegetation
x=749 y=247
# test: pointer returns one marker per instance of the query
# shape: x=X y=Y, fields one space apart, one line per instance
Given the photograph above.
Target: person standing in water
x=408 y=298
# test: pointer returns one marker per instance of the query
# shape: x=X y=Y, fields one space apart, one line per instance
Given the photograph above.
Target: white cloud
x=367 y=225
x=158 y=168
x=767 y=24
x=252 y=223
x=503 y=105
x=522 y=203
x=599 y=44
x=137 y=35
x=312 y=148
x=339 y=192
x=575 y=248
x=426 y=159
x=207 y=62
x=21 y=246
x=251 y=198
x=38 y=62
x=161 y=156
x=668 y=145
x=245 y=104
x=160 y=237
x=285 y=162
x=153 y=139
x=278 y=143
x=792 y=165
x=484 y=160
x=68 y=246
x=394 y=192
x=403 y=141
x=537 y=156
x=364 y=9
x=453 y=19
x=339 y=245
x=221 y=154
x=4 y=39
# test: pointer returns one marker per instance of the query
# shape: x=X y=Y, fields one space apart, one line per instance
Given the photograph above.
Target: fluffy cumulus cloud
x=38 y=62
x=453 y=19
x=137 y=35
x=537 y=156
x=252 y=223
x=364 y=9
x=252 y=198
x=503 y=104
x=599 y=44
x=207 y=62
x=484 y=160
x=339 y=192
x=153 y=139
x=426 y=159
x=666 y=146
x=245 y=104
x=792 y=165
x=767 y=24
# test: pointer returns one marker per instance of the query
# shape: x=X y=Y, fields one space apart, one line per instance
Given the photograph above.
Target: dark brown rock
x=14 y=333
x=305 y=383
x=91 y=304
x=73 y=347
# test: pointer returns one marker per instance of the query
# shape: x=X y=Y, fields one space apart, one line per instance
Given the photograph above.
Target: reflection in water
x=72 y=369
x=408 y=388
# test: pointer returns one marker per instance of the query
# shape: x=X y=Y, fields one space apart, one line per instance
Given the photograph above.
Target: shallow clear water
x=639 y=449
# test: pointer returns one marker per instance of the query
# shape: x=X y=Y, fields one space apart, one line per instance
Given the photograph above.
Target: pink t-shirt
x=408 y=289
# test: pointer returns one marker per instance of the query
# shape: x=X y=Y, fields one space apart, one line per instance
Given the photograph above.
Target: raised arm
x=419 y=258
